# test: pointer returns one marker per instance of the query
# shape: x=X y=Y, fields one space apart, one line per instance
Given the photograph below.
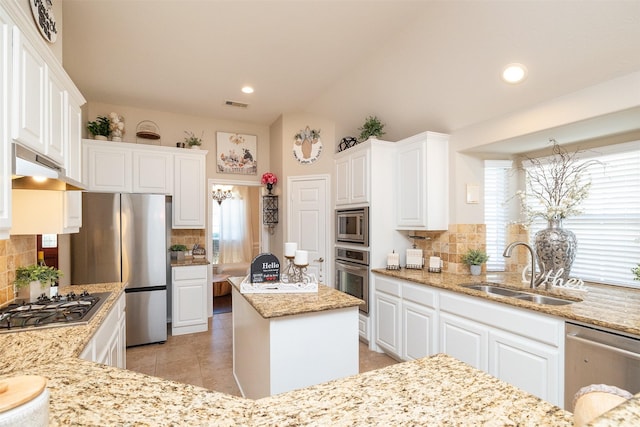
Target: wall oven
x=352 y=226
x=352 y=274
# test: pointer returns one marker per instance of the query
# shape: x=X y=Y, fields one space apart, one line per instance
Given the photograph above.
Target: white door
x=309 y=222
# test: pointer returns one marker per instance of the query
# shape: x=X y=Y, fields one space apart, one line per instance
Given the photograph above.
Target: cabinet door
x=342 y=181
x=72 y=216
x=29 y=94
x=73 y=155
x=5 y=120
x=411 y=191
x=388 y=323
x=189 y=193
x=359 y=188
x=108 y=169
x=122 y=342
x=189 y=303
x=465 y=340
x=527 y=364
x=419 y=331
x=152 y=172
x=56 y=119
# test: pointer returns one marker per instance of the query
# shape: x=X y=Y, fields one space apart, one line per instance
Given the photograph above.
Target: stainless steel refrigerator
x=124 y=238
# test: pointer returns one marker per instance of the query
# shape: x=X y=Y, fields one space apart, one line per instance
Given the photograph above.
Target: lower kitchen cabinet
x=519 y=346
x=189 y=299
x=109 y=344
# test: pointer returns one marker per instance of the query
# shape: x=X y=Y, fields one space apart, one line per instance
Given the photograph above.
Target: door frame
x=326 y=179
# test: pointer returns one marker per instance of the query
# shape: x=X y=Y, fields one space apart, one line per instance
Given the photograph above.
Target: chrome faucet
x=535 y=281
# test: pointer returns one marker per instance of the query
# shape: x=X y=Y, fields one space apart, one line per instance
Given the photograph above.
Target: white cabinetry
x=152 y=172
x=56 y=99
x=107 y=168
x=519 y=346
x=189 y=191
x=109 y=344
x=5 y=119
x=352 y=169
x=189 y=299
x=388 y=316
x=422 y=164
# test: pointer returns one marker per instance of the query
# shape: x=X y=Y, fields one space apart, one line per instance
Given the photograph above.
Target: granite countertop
x=289 y=304
x=188 y=261
x=612 y=307
x=432 y=390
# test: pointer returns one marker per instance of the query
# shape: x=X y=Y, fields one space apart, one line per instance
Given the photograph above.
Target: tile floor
x=205 y=359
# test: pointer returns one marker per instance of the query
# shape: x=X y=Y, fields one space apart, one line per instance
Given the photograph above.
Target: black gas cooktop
x=62 y=310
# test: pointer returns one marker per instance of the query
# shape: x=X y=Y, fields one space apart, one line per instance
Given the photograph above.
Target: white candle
x=290 y=249
x=301 y=258
x=393 y=259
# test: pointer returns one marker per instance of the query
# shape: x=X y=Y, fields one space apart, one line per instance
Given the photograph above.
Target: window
x=608 y=230
x=495 y=212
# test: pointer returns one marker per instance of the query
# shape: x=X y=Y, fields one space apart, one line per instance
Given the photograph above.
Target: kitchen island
x=432 y=391
x=287 y=341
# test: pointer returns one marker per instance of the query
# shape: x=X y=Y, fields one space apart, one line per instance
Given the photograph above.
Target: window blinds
x=608 y=230
x=495 y=211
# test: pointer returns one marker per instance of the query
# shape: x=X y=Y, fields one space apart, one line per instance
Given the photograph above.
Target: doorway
x=48 y=244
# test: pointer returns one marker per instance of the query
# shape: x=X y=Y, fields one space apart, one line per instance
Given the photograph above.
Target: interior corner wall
x=276 y=241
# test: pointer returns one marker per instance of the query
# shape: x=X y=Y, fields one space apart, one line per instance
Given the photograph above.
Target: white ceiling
x=418 y=65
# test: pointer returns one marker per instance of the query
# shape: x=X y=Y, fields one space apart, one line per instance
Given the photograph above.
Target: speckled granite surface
x=611 y=307
x=278 y=305
x=627 y=414
x=433 y=391
x=438 y=390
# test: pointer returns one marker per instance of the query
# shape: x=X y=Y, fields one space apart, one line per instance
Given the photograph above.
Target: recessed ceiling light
x=247 y=89
x=514 y=73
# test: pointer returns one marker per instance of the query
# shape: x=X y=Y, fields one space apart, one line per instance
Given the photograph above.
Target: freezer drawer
x=146 y=315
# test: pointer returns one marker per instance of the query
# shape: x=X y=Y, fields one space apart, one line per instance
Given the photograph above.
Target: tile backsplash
x=188 y=237
x=15 y=252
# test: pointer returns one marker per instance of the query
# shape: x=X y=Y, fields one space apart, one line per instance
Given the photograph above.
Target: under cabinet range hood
x=32 y=171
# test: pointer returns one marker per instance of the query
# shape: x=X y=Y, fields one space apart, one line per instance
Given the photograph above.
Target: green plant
x=178 y=248
x=191 y=139
x=475 y=257
x=101 y=126
x=636 y=272
x=371 y=127
x=31 y=273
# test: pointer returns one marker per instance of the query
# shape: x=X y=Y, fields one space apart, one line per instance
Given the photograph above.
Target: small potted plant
x=636 y=272
x=192 y=140
x=474 y=258
x=177 y=252
x=372 y=127
x=100 y=128
x=33 y=280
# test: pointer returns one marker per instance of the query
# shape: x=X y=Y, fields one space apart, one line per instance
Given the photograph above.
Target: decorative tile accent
x=15 y=252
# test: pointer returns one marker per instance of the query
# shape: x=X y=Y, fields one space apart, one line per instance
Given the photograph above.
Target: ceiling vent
x=235 y=104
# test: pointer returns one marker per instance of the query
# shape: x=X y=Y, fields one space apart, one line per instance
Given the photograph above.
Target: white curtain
x=235 y=228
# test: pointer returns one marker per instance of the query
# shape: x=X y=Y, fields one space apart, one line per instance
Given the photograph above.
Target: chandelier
x=219 y=195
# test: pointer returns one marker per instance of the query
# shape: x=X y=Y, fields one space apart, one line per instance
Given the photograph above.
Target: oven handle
x=627 y=353
x=350 y=267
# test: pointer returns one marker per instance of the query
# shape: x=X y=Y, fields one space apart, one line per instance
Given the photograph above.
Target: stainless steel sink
x=490 y=289
x=543 y=299
x=524 y=296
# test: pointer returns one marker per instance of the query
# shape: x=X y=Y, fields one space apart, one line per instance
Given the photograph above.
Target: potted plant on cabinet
x=192 y=140
x=177 y=252
x=474 y=258
x=33 y=280
x=372 y=127
x=100 y=128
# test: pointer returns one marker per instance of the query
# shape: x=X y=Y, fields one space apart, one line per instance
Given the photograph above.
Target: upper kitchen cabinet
x=422 y=182
x=107 y=167
x=5 y=147
x=152 y=172
x=352 y=169
x=189 y=190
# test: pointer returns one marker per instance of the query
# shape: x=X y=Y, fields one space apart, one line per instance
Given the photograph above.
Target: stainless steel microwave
x=352 y=226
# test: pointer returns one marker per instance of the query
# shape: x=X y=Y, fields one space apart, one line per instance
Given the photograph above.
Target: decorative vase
x=475 y=270
x=195 y=147
x=269 y=188
x=556 y=248
x=100 y=137
x=116 y=139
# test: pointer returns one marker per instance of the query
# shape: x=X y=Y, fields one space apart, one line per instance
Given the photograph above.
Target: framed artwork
x=237 y=153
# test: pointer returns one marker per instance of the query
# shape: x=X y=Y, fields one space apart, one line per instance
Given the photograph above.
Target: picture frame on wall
x=237 y=153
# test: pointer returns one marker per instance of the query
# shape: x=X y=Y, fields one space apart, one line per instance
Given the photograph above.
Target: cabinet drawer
x=190 y=273
x=420 y=295
x=519 y=321
x=388 y=286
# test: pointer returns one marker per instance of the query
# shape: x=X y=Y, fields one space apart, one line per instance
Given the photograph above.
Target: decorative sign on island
x=265 y=268
x=264 y=277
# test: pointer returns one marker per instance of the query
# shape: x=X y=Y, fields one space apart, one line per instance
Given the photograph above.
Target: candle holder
x=290 y=266
x=296 y=273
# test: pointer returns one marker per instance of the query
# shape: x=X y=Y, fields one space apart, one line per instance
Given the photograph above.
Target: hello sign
x=265 y=268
